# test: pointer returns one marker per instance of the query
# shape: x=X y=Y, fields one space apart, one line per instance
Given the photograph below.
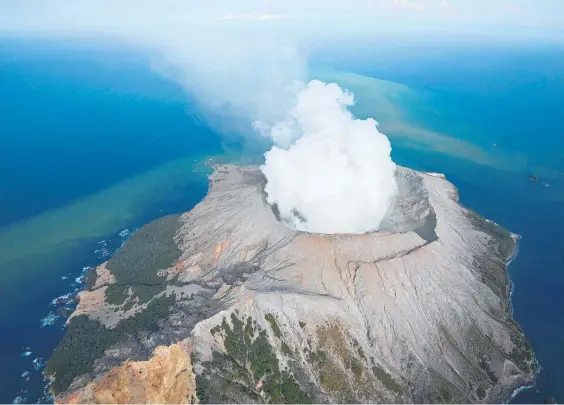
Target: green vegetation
x=147 y=320
x=285 y=390
x=91 y=278
x=150 y=249
x=116 y=294
x=146 y=292
x=443 y=391
x=86 y=340
x=286 y=349
x=358 y=349
x=447 y=335
x=486 y=368
x=386 y=379
x=249 y=358
x=344 y=369
x=135 y=265
x=128 y=305
x=445 y=397
x=249 y=331
x=356 y=368
x=302 y=324
x=317 y=356
x=522 y=357
x=502 y=236
x=274 y=325
x=334 y=380
x=332 y=372
x=522 y=353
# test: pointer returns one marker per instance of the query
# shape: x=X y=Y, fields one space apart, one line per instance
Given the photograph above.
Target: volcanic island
x=227 y=303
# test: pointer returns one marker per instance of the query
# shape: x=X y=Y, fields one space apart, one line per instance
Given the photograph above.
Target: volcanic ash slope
x=416 y=312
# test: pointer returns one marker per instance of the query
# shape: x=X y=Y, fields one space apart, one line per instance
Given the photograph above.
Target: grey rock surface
x=425 y=297
x=417 y=311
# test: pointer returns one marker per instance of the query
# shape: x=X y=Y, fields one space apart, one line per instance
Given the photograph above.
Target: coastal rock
x=166 y=378
x=417 y=311
x=103 y=277
x=89 y=302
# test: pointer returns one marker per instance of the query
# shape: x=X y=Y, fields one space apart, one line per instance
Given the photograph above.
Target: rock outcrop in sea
x=226 y=303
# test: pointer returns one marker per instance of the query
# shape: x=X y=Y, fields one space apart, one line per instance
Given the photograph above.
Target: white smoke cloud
x=247 y=74
x=236 y=76
x=337 y=176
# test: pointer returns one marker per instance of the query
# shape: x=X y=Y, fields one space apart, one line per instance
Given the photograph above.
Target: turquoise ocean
x=94 y=144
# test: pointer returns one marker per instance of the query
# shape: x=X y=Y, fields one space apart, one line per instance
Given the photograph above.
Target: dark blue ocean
x=94 y=144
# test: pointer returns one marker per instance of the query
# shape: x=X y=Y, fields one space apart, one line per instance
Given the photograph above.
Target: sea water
x=93 y=144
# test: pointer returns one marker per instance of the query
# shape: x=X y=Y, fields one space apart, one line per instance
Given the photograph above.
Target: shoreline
x=514 y=255
x=517 y=391
x=538 y=367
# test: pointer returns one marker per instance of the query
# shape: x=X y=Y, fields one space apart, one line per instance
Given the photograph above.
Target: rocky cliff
x=250 y=310
x=166 y=378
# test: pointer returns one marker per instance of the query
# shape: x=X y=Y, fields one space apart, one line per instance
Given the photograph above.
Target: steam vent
x=226 y=303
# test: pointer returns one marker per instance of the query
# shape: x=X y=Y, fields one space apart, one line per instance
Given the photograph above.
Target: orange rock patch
x=221 y=246
x=89 y=301
x=166 y=378
x=104 y=276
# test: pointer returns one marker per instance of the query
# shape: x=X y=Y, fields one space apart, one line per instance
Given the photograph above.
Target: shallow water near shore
x=91 y=172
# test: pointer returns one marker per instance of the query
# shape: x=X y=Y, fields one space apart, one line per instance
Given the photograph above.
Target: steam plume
x=337 y=176
x=328 y=172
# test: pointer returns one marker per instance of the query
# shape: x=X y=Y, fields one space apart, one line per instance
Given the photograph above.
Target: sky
x=316 y=18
